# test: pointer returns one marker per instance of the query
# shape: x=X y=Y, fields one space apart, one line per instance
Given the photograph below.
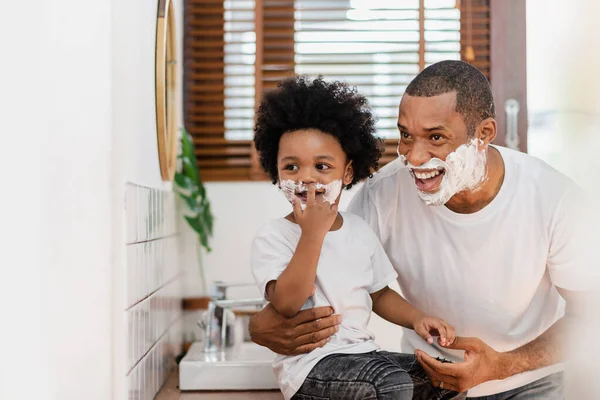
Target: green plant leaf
x=208 y=218
x=195 y=223
x=187 y=145
x=185 y=182
x=190 y=170
x=190 y=188
x=198 y=226
x=192 y=203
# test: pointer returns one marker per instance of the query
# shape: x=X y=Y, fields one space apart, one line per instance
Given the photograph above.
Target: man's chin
x=436 y=198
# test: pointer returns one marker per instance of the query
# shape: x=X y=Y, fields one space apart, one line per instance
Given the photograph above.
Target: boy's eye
x=291 y=167
x=323 y=166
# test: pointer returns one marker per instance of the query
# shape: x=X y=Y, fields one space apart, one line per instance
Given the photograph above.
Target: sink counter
x=170 y=391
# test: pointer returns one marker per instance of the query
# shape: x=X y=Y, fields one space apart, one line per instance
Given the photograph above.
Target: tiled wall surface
x=153 y=289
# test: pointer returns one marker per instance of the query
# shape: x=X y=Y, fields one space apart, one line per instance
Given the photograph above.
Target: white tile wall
x=153 y=290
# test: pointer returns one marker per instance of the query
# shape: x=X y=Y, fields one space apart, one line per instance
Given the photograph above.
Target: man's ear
x=348 y=174
x=486 y=131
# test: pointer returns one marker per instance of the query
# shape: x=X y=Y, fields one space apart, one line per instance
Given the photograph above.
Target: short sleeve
x=570 y=257
x=383 y=270
x=270 y=255
x=362 y=205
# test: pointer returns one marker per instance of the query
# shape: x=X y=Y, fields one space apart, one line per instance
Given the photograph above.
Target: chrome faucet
x=218 y=320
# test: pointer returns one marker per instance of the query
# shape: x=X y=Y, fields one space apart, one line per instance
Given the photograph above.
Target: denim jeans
x=547 y=388
x=376 y=375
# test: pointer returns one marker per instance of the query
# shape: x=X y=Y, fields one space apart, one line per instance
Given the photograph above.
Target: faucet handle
x=259 y=301
x=219 y=288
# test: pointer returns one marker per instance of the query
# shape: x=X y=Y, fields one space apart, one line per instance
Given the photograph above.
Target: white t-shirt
x=491 y=274
x=352 y=265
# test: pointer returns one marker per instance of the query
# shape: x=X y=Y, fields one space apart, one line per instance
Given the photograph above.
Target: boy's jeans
x=376 y=375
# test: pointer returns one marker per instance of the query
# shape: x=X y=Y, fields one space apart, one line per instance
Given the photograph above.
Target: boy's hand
x=426 y=327
x=318 y=216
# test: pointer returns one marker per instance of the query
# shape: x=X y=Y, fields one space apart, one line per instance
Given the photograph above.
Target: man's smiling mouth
x=428 y=180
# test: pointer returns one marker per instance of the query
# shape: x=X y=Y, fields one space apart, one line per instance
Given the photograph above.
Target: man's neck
x=470 y=202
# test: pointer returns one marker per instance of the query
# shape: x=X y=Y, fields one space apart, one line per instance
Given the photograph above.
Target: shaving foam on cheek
x=290 y=188
x=464 y=169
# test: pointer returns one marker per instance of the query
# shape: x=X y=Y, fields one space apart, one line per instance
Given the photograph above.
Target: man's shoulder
x=536 y=173
x=359 y=227
x=356 y=222
x=390 y=178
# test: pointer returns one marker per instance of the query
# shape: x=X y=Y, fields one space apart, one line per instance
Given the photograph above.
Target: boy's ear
x=348 y=174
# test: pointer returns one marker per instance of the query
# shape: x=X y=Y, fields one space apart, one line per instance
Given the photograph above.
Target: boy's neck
x=337 y=224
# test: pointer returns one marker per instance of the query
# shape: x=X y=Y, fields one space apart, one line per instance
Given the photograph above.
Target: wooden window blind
x=236 y=49
x=219 y=85
x=475 y=34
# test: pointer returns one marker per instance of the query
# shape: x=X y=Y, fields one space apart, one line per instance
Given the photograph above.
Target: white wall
x=21 y=266
x=78 y=123
x=61 y=121
x=55 y=271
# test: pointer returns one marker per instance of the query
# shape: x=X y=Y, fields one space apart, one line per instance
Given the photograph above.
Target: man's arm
x=482 y=363
x=549 y=347
x=303 y=333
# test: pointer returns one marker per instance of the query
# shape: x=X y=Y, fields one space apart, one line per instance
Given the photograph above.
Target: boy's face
x=311 y=156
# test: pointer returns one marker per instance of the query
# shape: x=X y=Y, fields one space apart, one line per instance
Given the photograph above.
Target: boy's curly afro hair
x=331 y=107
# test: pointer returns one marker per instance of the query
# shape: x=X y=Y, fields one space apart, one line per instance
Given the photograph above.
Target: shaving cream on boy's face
x=464 y=169
x=291 y=189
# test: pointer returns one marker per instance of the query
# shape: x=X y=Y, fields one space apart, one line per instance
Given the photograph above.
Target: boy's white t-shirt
x=491 y=274
x=351 y=266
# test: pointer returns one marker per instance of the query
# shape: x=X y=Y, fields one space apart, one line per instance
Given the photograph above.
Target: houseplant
x=198 y=215
x=190 y=188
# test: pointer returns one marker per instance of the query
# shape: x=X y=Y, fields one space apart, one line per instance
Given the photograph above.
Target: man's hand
x=308 y=330
x=482 y=363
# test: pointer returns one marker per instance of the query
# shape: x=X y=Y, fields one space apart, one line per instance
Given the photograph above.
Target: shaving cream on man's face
x=464 y=169
x=291 y=189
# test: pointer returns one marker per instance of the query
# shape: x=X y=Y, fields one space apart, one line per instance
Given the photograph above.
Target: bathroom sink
x=246 y=366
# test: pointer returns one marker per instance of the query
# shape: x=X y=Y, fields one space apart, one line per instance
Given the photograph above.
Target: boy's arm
x=392 y=307
x=295 y=284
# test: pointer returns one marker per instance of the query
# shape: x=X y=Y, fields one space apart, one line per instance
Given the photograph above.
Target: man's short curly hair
x=334 y=108
x=474 y=98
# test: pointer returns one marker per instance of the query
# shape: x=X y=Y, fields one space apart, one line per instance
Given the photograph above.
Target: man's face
x=436 y=148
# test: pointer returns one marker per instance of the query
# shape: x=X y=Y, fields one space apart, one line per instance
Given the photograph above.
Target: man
x=481 y=236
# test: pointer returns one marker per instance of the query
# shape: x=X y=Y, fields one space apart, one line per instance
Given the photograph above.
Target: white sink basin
x=246 y=366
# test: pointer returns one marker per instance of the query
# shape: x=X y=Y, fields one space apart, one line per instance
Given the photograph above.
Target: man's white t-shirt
x=351 y=266
x=491 y=274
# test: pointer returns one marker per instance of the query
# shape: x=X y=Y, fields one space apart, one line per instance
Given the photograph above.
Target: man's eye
x=322 y=166
x=404 y=135
x=291 y=167
x=436 y=137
